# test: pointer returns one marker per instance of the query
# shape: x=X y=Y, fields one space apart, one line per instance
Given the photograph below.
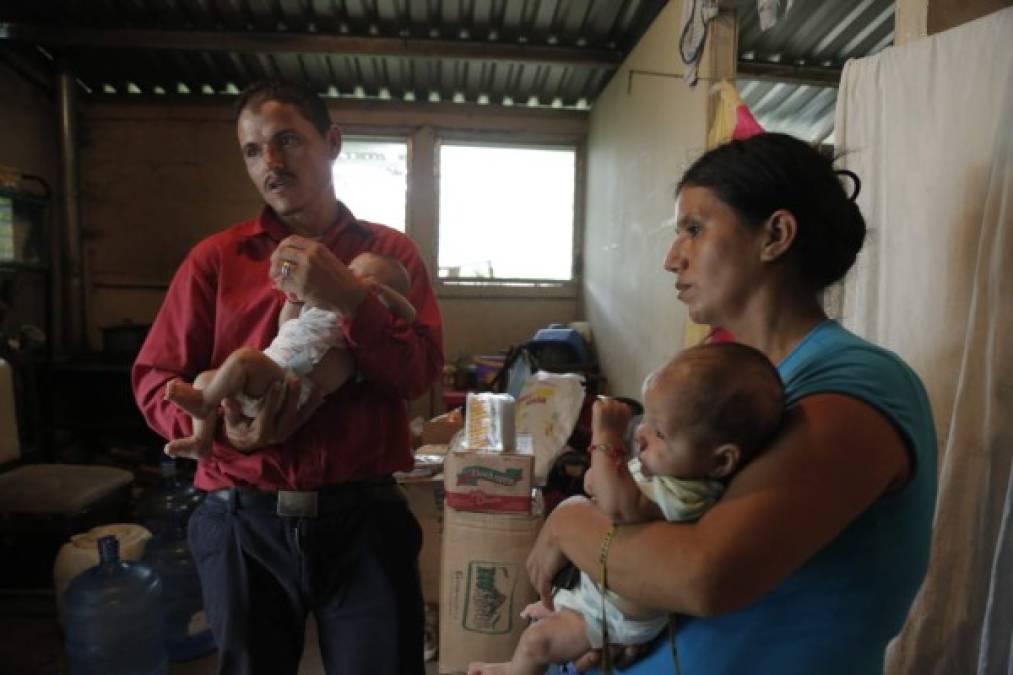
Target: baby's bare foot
x=188 y=448
x=536 y=610
x=187 y=398
x=488 y=669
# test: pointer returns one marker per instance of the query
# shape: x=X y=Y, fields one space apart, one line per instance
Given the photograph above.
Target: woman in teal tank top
x=809 y=563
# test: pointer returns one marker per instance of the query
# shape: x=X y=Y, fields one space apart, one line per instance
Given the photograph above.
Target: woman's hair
x=309 y=104
x=764 y=173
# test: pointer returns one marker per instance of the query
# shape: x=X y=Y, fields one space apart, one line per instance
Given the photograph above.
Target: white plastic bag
x=547 y=410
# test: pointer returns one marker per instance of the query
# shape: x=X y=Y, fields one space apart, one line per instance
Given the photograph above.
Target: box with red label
x=489 y=481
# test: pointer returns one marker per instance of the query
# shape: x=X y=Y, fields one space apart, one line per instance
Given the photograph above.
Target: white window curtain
x=927 y=127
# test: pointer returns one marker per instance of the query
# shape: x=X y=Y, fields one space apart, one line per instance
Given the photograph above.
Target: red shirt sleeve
x=179 y=344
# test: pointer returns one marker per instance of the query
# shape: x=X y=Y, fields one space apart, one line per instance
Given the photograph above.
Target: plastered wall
x=645 y=129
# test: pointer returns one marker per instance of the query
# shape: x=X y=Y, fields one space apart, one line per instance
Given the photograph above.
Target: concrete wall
x=645 y=129
x=157 y=178
x=29 y=137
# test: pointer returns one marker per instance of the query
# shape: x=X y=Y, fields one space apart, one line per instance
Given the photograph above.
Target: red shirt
x=221 y=298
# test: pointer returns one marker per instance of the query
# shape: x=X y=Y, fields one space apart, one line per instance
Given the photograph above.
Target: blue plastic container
x=187 y=632
x=567 y=342
x=160 y=505
x=113 y=619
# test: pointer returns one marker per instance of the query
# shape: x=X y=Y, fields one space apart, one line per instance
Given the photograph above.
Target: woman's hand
x=546 y=558
x=622 y=657
x=280 y=415
x=307 y=269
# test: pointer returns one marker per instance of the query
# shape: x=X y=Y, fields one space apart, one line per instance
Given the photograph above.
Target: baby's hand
x=609 y=416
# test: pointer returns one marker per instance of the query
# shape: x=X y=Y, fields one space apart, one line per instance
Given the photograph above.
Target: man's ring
x=286 y=270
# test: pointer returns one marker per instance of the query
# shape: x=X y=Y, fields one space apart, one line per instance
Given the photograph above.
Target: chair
x=41 y=505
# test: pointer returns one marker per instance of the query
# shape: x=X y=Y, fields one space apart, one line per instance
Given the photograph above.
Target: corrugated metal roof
x=812 y=34
x=591 y=37
x=557 y=53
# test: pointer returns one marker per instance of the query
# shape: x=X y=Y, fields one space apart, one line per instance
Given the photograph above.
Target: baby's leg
x=198 y=445
x=559 y=637
x=246 y=370
x=333 y=369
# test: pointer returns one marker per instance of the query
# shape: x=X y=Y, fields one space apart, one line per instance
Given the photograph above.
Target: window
x=506 y=213
x=371 y=178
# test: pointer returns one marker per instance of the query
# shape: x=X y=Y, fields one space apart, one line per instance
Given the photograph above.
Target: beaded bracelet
x=616 y=453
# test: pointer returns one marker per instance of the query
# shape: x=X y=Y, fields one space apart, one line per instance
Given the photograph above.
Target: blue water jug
x=158 y=506
x=187 y=632
x=112 y=617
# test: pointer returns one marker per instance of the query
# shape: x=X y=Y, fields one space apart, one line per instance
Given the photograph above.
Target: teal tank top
x=835 y=614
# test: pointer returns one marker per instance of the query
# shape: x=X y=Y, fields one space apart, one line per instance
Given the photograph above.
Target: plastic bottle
x=158 y=506
x=113 y=619
x=187 y=632
x=81 y=552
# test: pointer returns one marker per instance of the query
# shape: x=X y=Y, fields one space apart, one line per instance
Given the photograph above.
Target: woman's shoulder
x=840 y=362
x=832 y=354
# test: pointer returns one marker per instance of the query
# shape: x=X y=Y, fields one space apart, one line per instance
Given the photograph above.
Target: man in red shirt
x=302 y=514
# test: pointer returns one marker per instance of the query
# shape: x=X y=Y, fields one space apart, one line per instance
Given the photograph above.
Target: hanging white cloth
x=927 y=126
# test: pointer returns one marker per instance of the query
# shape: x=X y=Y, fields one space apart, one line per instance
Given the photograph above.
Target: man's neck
x=312 y=221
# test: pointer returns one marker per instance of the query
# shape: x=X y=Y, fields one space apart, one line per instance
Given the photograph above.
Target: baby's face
x=666 y=450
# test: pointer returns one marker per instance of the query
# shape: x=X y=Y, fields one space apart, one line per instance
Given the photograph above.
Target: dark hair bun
x=764 y=173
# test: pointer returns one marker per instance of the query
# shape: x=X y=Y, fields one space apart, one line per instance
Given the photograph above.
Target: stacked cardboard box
x=490 y=482
x=484 y=586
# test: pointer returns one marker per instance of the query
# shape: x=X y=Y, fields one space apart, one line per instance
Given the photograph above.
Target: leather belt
x=310 y=503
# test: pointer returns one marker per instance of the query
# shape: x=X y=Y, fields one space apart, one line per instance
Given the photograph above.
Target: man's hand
x=279 y=416
x=307 y=269
x=610 y=417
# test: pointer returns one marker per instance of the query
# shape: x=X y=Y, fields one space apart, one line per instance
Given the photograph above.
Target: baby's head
x=708 y=410
x=383 y=269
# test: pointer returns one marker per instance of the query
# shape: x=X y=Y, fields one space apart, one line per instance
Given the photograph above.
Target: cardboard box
x=425 y=499
x=485 y=586
x=439 y=430
x=489 y=481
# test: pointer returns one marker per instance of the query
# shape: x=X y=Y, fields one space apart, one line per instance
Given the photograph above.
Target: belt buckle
x=295 y=504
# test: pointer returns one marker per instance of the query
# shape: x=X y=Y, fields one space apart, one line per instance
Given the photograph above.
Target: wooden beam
x=251 y=42
x=31 y=68
x=817 y=76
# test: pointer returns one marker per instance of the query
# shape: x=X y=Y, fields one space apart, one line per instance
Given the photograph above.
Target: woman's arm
x=834 y=458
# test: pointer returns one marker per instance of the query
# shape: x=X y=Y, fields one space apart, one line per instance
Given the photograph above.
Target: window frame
x=386 y=135
x=423 y=199
x=484 y=287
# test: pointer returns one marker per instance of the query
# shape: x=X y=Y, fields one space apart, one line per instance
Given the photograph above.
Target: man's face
x=287 y=158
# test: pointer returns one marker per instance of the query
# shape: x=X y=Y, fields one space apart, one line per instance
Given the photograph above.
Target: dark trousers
x=355 y=568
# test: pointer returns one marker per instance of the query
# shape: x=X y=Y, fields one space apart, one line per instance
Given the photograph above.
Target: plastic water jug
x=187 y=632
x=81 y=552
x=158 y=506
x=112 y=618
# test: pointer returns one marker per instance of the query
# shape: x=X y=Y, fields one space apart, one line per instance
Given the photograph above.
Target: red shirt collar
x=268 y=223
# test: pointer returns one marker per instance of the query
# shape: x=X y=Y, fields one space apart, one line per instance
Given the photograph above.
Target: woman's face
x=716 y=258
